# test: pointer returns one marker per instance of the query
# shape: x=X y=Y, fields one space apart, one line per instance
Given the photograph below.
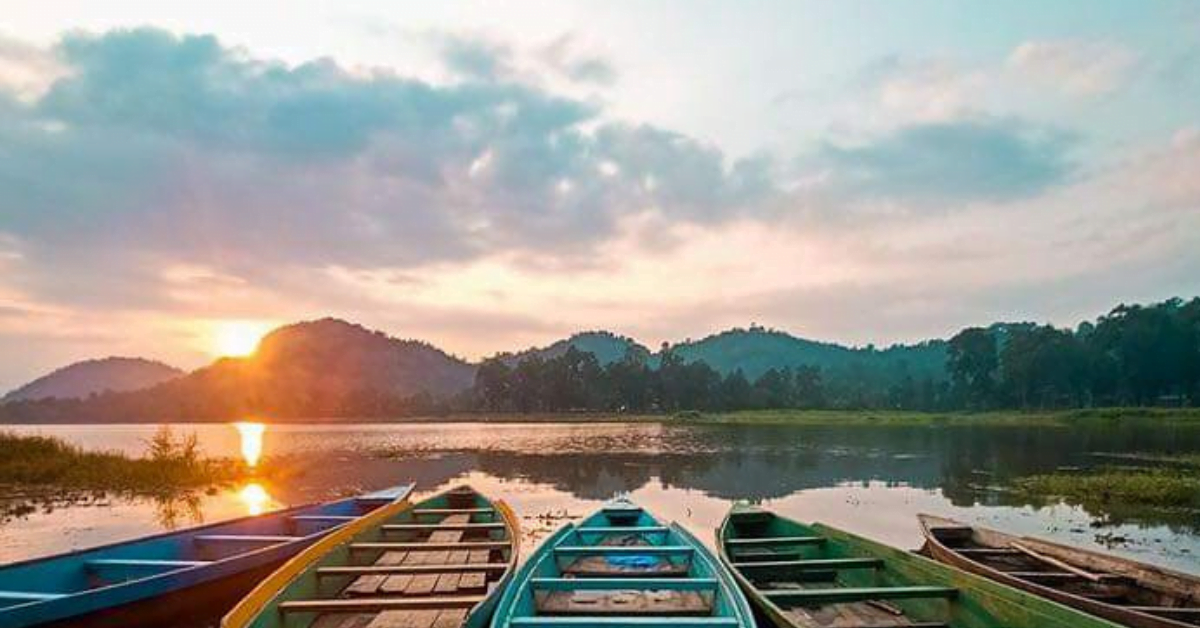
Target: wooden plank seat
x=378 y=569
x=592 y=561
x=622 y=530
x=429 y=546
x=377 y=604
x=654 y=603
x=815 y=564
x=568 y=621
x=465 y=526
x=452 y=511
x=772 y=541
x=321 y=518
x=856 y=594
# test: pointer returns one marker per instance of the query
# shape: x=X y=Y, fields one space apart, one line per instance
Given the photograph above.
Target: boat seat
x=425 y=527
x=622 y=530
x=378 y=604
x=366 y=570
x=248 y=539
x=453 y=511
x=429 y=546
x=592 y=602
x=857 y=594
x=321 y=518
x=567 y=621
x=768 y=541
x=816 y=564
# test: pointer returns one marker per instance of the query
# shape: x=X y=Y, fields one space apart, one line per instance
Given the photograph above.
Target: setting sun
x=238 y=338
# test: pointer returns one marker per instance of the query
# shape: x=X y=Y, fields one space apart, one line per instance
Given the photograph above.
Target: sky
x=492 y=176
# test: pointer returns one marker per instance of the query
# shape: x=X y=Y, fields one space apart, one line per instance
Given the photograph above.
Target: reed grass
x=170 y=463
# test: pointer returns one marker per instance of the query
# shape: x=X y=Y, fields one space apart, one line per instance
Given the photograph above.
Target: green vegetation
x=1061 y=418
x=1117 y=488
x=170 y=464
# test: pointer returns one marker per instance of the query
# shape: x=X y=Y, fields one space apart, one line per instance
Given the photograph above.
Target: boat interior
x=428 y=567
x=44 y=580
x=1073 y=572
x=622 y=566
x=819 y=583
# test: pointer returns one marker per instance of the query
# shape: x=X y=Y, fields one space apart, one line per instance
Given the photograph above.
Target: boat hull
x=976 y=603
x=937 y=550
x=271 y=604
x=197 y=589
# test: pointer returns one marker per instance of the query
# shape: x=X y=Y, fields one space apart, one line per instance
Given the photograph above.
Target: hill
x=758 y=349
x=606 y=346
x=327 y=368
x=78 y=380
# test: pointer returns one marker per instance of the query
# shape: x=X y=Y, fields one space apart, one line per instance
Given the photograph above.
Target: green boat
x=810 y=576
x=622 y=568
x=440 y=563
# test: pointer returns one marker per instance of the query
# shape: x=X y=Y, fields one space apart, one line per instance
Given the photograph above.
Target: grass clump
x=170 y=463
x=1107 y=488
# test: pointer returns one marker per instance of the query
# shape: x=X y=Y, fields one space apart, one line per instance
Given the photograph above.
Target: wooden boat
x=1124 y=591
x=817 y=576
x=169 y=578
x=622 y=567
x=437 y=564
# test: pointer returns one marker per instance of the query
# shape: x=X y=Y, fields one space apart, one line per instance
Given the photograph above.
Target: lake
x=868 y=480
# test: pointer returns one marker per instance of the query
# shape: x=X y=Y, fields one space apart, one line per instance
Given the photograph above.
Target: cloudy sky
x=489 y=176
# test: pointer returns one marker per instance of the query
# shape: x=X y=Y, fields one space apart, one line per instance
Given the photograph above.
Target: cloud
x=26 y=71
x=1083 y=68
x=563 y=55
x=945 y=163
x=928 y=89
x=156 y=151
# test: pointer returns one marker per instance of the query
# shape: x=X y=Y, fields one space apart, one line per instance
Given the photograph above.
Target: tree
x=972 y=362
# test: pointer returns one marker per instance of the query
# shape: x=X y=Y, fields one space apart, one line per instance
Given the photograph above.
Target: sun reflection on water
x=255 y=497
x=252 y=440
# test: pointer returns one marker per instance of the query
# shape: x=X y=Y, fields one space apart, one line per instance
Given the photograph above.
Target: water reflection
x=252 y=440
x=255 y=497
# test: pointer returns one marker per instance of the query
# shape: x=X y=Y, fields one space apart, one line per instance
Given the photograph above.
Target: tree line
x=1133 y=356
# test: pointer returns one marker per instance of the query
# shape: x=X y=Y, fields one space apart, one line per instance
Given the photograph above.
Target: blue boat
x=621 y=567
x=171 y=578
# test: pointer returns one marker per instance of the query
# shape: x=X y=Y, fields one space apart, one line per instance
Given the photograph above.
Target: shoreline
x=1182 y=417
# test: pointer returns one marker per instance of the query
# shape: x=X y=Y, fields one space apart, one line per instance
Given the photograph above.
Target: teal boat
x=816 y=576
x=622 y=567
x=440 y=563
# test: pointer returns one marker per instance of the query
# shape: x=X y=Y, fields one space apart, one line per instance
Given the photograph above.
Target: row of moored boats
x=451 y=561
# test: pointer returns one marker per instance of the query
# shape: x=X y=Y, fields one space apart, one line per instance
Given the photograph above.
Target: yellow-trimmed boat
x=440 y=563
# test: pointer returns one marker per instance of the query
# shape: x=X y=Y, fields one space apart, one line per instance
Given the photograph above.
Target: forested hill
x=606 y=346
x=757 y=350
x=95 y=376
x=1134 y=355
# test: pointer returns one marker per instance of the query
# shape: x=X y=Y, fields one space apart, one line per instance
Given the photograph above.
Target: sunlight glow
x=238 y=338
x=255 y=497
x=252 y=440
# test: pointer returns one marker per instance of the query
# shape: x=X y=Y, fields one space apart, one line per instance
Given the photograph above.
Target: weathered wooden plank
x=478 y=556
x=364 y=585
x=375 y=605
x=816 y=564
x=342 y=620
x=623 y=603
x=395 y=584
x=621 y=622
x=450 y=618
x=776 y=540
x=453 y=511
x=472 y=582
x=425 y=527
x=417 y=545
x=362 y=570
x=857 y=594
x=421 y=584
x=623 y=584
x=422 y=618
x=447 y=583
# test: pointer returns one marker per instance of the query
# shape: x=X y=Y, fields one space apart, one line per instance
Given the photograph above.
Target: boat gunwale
x=881 y=550
x=268 y=591
x=740 y=609
x=1113 y=612
x=133 y=590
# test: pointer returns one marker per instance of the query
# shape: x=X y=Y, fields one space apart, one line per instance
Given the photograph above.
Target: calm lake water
x=869 y=480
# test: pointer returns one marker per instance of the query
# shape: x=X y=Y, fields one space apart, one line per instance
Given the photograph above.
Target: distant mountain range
x=89 y=377
x=329 y=367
